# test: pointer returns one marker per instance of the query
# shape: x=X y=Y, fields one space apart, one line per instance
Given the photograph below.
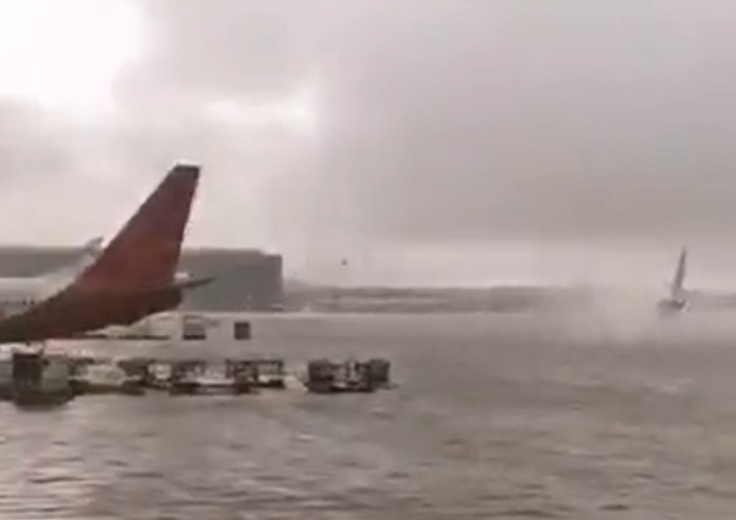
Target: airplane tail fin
x=93 y=246
x=87 y=255
x=145 y=253
x=678 y=281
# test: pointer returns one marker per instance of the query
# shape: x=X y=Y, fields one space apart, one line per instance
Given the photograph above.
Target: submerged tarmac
x=497 y=416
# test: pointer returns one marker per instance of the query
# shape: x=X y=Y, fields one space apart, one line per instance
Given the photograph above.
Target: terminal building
x=245 y=279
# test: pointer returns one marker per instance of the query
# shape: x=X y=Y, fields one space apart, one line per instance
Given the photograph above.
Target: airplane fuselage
x=17 y=295
x=83 y=310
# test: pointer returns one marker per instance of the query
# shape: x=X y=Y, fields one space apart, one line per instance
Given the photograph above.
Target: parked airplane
x=88 y=253
x=18 y=288
x=681 y=299
x=132 y=277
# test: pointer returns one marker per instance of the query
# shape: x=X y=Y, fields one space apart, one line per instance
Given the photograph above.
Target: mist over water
x=626 y=316
x=520 y=415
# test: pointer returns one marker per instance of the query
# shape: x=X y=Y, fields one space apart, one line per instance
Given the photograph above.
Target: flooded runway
x=495 y=417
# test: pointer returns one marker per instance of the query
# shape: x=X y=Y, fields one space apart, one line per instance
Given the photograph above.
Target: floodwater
x=505 y=417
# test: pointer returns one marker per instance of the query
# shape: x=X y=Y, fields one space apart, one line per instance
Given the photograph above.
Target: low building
x=245 y=279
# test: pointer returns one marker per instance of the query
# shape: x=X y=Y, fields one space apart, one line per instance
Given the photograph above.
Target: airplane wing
x=704 y=300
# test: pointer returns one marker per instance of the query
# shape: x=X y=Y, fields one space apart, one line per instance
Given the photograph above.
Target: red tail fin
x=145 y=253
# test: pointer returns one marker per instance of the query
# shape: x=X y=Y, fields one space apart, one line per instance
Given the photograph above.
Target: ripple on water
x=491 y=421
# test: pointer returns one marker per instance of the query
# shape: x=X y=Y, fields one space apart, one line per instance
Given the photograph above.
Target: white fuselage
x=19 y=294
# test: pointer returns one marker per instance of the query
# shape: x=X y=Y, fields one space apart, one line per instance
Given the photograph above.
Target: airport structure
x=246 y=279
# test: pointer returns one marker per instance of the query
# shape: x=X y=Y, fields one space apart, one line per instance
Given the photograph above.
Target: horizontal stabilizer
x=195 y=283
x=187 y=285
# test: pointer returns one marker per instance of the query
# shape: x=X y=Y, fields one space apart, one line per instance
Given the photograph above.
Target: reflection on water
x=496 y=417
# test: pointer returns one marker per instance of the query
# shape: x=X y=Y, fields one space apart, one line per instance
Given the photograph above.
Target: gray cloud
x=505 y=122
x=438 y=121
x=443 y=121
x=30 y=143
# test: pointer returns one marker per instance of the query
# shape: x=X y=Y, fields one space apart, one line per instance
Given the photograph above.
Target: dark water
x=496 y=417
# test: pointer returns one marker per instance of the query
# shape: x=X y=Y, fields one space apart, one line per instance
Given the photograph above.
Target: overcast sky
x=372 y=128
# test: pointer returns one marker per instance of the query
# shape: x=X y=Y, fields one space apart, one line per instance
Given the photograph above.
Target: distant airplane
x=677 y=299
x=90 y=251
x=16 y=284
x=681 y=299
x=134 y=276
x=18 y=288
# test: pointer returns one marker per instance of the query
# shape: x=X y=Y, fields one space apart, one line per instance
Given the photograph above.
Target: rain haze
x=430 y=142
x=495 y=228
